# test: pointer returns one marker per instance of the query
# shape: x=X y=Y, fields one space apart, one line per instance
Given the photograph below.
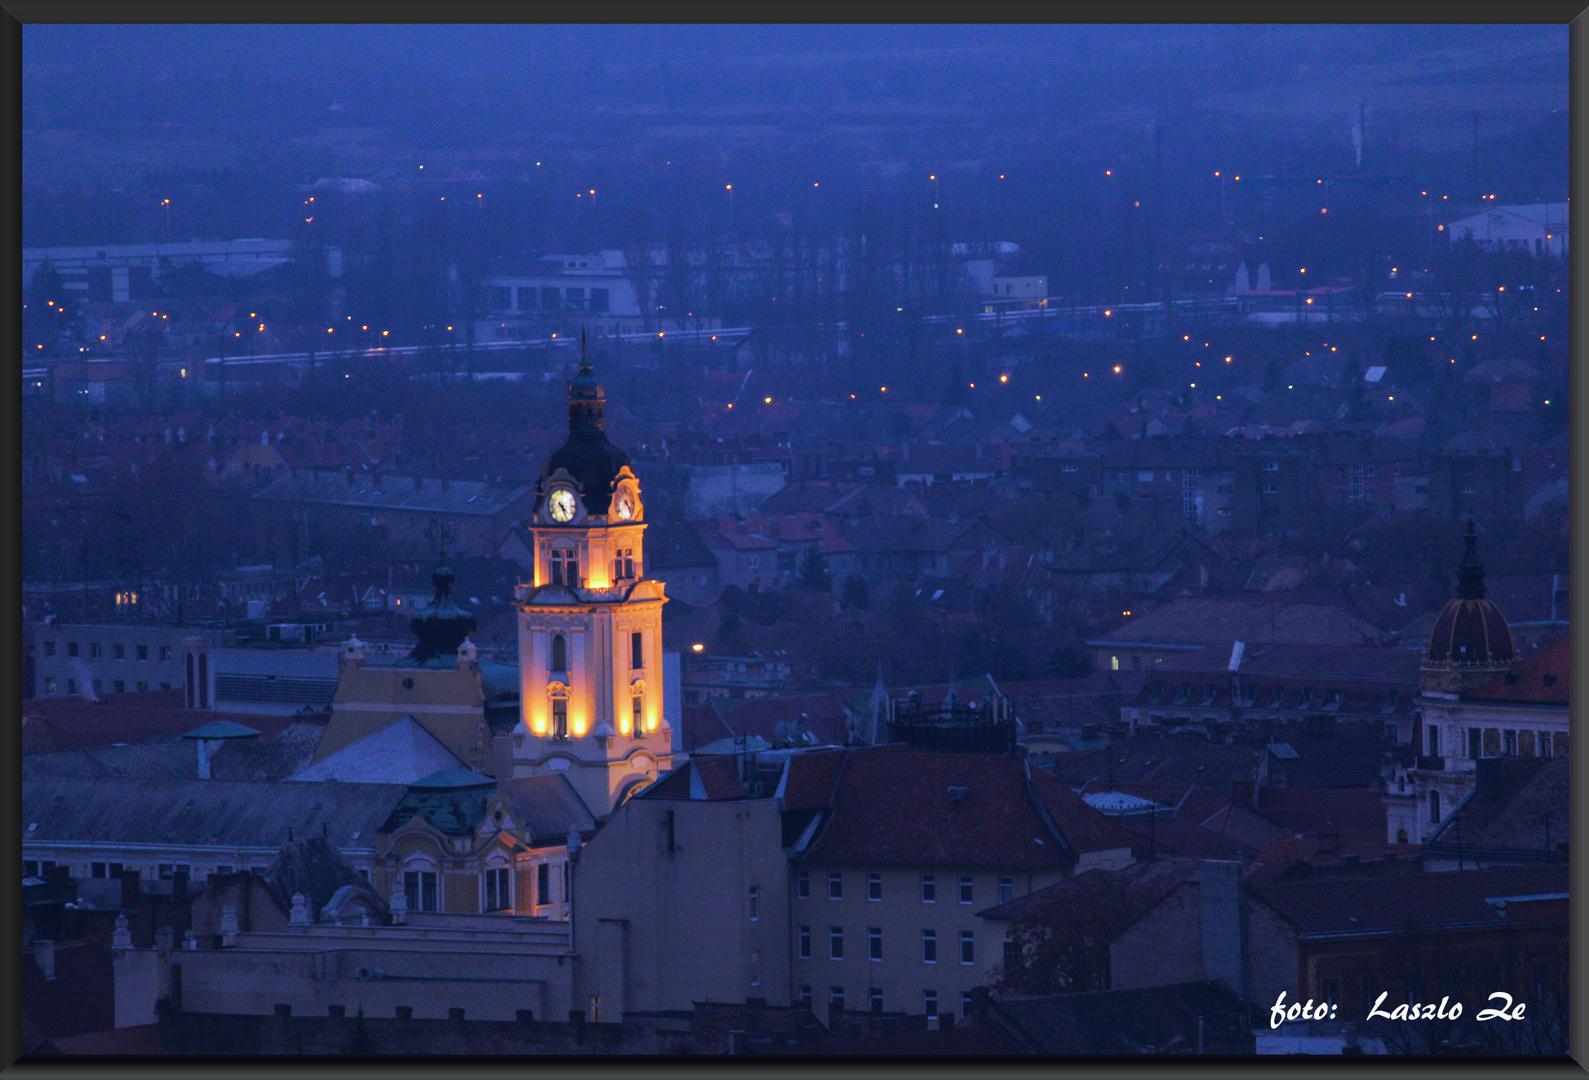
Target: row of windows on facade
x=874 y=998
x=117 y=652
x=874 y=887
x=419 y=886
x=1494 y=742
x=52 y=685
x=551 y=298
x=874 y=944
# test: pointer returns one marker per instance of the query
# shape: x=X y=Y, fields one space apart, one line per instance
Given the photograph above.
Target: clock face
x=625 y=505
x=561 y=505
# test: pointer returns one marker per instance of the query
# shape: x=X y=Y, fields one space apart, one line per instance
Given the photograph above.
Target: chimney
x=1223 y=948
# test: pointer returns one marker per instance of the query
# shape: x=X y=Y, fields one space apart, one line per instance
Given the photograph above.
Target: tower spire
x=1470 y=571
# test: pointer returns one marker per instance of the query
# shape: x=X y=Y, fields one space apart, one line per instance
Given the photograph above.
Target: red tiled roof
x=1539 y=680
x=73 y=723
x=1355 y=815
x=718 y=776
x=997 y=822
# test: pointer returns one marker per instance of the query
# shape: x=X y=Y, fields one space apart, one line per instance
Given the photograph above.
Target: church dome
x=443 y=626
x=1470 y=632
x=587 y=454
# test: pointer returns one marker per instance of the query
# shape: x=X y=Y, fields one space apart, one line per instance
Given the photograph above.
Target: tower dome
x=587 y=455
x=1470 y=641
x=443 y=626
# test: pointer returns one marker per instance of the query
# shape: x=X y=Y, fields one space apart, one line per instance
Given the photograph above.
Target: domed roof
x=1470 y=631
x=443 y=626
x=587 y=454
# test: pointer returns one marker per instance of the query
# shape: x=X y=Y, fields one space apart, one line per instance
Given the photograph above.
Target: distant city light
x=697 y=647
x=1004 y=378
x=1117 y=369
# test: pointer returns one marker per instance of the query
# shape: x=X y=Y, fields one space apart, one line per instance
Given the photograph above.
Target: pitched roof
x=1119 y=896
x=76 y=724
x=898 y=808
x=1518 y=805
x=1542 y=679
x=313 y=866
x=1352 y=814
x=472 y=497
x=825 y=718
x=177 y=759
x=1254 y=620
x=225 y=813
x=399 y=753
x=1325 y=904
x=548 y=806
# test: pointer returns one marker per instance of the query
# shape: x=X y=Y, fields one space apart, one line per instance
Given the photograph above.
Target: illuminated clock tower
x=590 y=624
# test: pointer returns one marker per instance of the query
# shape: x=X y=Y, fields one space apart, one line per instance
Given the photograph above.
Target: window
x=835 y=943
x=805 y=943
x=875 y=999
x=1492 y=742
x=120 y=686
x=1370 y=991
x=1473 y=742
x=1271 y=466
x=835 y=885
x=965 y=1003
x=143 y=652
x=94 y=651
x=968 y=947
x=1432 y=741
x=755 y=903
x=874 y=942
x=599 y=299
x=874 y=886
x=559 y=718
x=1271 y=489
x=551 y=298
x=755 y=968
x=1434 y=808
x=623 y=565
x=929 y=946
x=965 y=888
x=929 y=1002
x=165 y=652
x=419 y=889
x=559 y=653
x=637 y=657
x=636 y=727
x=836 y=997
x=1012 y=956
x=226 y=868
x=565 y=566
x=1401 y=836
x=71 y=686
x=1510 y=742
x=49 y=648
x=1330 y=991
x=1114 y=663
x=71 y=648
x=1545 y=747
x=498 y=889
x=165 y=686
x=49 y=684
x=803 y=884
x=543 y=883
x=1006 y=889
x=1525 y=743
x=119 y=651
x=929 y=889
x=576 y=298
x=142 y=685
x=805 y=996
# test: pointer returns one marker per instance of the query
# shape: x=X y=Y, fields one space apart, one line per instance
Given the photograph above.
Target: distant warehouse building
x=1538 y=229
x=119 y=273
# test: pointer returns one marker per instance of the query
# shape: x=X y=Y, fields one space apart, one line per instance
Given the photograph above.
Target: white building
x=1538 y=229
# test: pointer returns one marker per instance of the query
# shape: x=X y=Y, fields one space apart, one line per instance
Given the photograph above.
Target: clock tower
x=590 y=623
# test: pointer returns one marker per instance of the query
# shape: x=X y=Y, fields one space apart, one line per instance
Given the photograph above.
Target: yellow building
x=590 y=621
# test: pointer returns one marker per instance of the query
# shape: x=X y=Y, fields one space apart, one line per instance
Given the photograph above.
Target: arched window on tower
x=636 y=726
x=559 y=653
